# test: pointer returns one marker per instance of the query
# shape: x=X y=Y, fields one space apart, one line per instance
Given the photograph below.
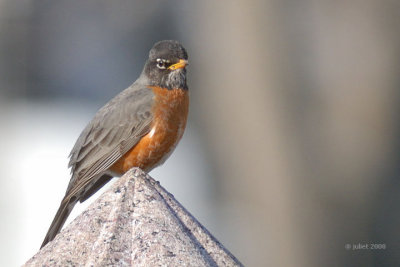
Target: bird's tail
x=64 y=210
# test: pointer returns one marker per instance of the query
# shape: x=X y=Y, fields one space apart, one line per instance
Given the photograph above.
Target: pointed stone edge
x=220 y=255
x=209 y=246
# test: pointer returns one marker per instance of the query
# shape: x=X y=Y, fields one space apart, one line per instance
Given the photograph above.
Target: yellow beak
x=180 y=65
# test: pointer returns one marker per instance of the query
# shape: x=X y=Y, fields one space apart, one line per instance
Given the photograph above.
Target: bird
x=139 y=127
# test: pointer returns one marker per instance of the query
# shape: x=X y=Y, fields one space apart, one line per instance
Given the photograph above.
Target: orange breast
x=170 y=112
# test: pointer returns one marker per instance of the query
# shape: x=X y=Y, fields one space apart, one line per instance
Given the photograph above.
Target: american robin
x=139 y=127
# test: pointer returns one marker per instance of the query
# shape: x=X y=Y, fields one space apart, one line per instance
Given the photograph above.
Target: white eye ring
x=162 y=63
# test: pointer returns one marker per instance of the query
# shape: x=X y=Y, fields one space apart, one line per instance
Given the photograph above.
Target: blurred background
x=291 y=151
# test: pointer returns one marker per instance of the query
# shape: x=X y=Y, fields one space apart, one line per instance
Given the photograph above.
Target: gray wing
x=114 y=130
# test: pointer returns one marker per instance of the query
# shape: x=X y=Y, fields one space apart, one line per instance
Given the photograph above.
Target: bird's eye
x=162 y=63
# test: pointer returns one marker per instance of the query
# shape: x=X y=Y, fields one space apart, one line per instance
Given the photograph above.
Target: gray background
x=291 y=150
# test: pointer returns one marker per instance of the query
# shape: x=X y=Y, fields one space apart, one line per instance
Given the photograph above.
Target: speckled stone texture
x=135 y=223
